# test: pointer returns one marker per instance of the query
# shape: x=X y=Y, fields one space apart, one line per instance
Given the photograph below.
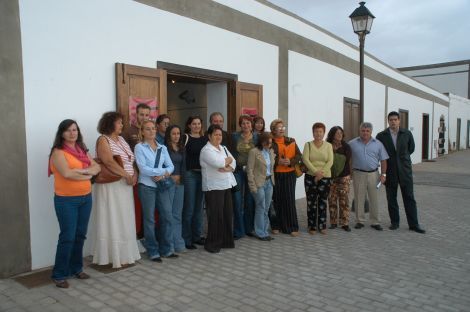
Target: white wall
x=459 y=107
x=446 y=79
x=297 y=26
x=69 y=52
x=217 y=100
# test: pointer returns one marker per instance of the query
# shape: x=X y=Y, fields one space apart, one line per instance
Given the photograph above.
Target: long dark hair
x=59 y=140
x=168 y=142
x=187 y=127
x=331 y=134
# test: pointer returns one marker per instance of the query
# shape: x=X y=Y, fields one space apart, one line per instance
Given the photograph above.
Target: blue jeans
x=192 y=210
x=73 y=213
x=263 y=197
x=165 y=220
x=158 y=240
x=243 y=206
x=177 y=199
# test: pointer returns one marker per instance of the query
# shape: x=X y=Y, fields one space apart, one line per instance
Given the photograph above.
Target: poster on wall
x=252 y=111
x=134 y=101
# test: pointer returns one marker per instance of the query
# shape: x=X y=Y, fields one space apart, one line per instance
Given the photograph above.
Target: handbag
x=235 y=188
x=106 y=175
x=165 y=183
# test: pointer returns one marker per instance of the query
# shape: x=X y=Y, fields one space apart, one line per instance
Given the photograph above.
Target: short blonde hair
x=274 y=124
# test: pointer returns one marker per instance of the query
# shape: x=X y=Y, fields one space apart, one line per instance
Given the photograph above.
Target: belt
x=368 y=171
x=268 y=178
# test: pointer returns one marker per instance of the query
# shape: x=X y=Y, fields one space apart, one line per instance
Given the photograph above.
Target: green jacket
x=399 y=163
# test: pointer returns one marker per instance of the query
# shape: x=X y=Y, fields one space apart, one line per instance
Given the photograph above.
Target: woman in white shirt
x=217 y=166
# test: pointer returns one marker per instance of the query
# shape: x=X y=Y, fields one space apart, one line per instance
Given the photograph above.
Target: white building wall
x=69 y=52
x=453 y=79
x=459 y=107
x=290 y=23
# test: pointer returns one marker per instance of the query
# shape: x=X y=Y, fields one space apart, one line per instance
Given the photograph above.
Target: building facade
x=65 y=59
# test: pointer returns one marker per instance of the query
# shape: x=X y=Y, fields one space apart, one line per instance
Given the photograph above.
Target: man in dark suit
x=399 y=144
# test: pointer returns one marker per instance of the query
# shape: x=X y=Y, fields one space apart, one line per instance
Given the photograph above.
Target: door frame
x=425 y=138
x=457 y=136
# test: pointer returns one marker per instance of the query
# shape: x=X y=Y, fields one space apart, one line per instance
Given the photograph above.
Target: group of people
x=245 y=180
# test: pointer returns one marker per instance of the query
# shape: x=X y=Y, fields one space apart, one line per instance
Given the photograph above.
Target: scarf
x=76 y=152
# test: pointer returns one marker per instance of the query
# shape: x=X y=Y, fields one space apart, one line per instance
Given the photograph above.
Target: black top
x=345 y=150
x=193 y=150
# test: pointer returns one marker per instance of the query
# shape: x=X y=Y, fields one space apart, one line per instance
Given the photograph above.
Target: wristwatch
x=384 y=174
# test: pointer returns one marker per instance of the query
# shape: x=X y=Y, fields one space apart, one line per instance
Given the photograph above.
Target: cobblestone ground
x=363 y=270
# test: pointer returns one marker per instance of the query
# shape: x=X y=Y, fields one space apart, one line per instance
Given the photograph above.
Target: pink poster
x=134 y=101
x=252 y=111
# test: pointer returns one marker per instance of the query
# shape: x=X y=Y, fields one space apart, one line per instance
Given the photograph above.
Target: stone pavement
x=363 y=270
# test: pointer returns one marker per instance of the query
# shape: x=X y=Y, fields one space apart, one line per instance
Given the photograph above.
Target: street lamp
x=361 y=20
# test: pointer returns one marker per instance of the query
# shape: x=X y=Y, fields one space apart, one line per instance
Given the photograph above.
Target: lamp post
x=361 y=20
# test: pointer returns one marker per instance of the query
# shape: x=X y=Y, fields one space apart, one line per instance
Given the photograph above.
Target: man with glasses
x=163 y=121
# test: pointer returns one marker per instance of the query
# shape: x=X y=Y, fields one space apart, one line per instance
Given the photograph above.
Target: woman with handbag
x=217 y=166
x=113 y=205
x=178 y=158
x=72 y=168
x=260 y=173
x=193 y=221
x=341 y=178
x=318 y=158
x=287 y=155
x=155 y=189
x=243 y=202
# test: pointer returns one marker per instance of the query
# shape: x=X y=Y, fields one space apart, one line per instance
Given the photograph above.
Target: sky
x=404 y=32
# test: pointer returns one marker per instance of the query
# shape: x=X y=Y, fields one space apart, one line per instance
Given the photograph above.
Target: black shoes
x=346 y=228
x=172 y=256
x=201 y=241
x=333 y=226
x=394 y=227
x=212 y=250
x=192 y=246
x=157 y=259
x=378 y=227
x=359 y=226
x=266 y=238
x=417 y=229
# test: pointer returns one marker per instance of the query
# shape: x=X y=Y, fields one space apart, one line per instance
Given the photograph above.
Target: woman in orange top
x=287 y=155
x=73 y=168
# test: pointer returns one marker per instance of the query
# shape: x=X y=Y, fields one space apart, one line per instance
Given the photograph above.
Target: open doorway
x=190 y=96
x=181 y=91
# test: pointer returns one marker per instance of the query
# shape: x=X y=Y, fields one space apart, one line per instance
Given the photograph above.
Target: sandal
x=82 y=275
x=61 y=283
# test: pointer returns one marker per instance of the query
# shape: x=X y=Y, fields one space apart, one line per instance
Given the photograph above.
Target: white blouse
x=211 y=160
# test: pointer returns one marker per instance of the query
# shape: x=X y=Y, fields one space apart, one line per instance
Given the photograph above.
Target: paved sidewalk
x=364 y=270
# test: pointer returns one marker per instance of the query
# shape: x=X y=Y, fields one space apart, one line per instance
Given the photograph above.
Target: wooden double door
x=143 y=82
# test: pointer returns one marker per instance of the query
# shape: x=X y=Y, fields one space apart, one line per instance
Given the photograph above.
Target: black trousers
x=284 y=203
x=317 y=201
x=219 y=220
x=408 y=200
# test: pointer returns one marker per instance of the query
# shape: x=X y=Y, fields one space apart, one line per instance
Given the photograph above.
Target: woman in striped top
x=115 y=240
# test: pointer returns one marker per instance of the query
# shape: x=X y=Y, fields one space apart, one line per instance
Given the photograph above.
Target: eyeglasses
x=280 y=128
